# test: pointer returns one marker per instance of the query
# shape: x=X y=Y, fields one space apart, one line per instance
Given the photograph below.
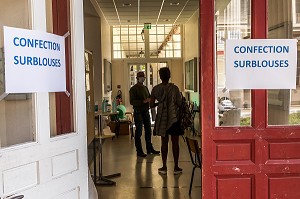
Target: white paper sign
x=261 y=63
x=34 y=61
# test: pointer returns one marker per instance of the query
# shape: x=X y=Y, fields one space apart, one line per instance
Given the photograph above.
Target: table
x=100 y=137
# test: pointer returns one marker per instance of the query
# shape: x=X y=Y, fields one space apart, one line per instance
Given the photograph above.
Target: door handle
x=16 y=197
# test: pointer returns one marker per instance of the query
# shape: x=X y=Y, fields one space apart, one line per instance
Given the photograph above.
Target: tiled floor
x=139 y=177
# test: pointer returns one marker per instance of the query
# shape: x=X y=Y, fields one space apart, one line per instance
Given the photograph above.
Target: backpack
x=186 y=116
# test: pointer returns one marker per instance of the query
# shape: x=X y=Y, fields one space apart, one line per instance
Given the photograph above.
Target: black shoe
x=177 y=171
x=141 y=155
x=153 y=152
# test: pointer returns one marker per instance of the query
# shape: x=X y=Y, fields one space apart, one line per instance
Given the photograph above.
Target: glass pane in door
x=62 y=111
x=283 y=23
x=17 y=111
x=233 y=21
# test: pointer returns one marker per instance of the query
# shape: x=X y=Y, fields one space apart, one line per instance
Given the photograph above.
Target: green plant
x=245 y=121
x=294 y=118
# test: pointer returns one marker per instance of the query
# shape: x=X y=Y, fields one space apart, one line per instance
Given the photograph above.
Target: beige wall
x=191 y=50
x=176 y=73
x=92 y=43
x=97 y=40
x=191 y=47
x=191 y=40
x=106 y=51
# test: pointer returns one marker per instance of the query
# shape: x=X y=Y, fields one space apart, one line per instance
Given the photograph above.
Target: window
x=284 y=104
x=233 y=107
x=61 y=104
x=17 y=118
x=130 y=41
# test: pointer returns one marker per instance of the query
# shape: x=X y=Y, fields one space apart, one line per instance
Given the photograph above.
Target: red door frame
x=64 y=102
x=260 y=161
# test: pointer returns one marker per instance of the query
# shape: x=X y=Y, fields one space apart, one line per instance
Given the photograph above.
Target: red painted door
x=258 y=161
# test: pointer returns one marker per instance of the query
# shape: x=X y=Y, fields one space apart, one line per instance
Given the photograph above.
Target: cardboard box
x=124 y=127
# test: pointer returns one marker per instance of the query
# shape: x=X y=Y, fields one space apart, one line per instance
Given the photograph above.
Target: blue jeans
x=142 y=118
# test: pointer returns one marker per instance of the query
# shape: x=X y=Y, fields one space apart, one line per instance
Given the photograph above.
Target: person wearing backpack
x=167 y=122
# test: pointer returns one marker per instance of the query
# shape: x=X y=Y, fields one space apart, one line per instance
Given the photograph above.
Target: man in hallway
x=139 y=99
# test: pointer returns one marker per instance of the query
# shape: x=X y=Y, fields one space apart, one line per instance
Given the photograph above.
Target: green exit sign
x=147 y=26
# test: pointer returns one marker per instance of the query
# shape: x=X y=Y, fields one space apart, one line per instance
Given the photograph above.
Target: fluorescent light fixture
x=174 y=4
x=126 y=4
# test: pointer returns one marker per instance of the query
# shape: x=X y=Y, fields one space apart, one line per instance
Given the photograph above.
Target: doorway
x=151 y=71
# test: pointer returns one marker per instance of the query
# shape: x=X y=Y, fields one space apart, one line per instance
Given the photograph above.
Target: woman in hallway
x=167 y=122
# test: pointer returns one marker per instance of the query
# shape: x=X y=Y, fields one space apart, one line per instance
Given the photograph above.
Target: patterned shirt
x=169 y=100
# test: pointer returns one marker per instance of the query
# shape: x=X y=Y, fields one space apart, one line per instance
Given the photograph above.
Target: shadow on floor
x=139 y=176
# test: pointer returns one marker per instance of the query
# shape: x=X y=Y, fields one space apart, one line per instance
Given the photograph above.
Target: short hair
x=164 y=74
x=140 y=73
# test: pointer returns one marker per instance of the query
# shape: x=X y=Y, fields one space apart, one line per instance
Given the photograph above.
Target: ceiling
x=138 y=12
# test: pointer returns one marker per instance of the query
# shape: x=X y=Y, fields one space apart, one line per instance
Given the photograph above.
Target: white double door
x=51 y=167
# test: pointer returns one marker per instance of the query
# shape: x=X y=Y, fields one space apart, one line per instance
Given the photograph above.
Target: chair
x=115 y=124
x=195 y=154
x=129 y=116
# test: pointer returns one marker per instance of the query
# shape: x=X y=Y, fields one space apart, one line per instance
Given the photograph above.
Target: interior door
x=33 y=163
x=89 y=88
x=134 y=69
x=243 y=158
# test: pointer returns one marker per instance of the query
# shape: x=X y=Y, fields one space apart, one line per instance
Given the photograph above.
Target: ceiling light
x=174 y=4
x=126 y=4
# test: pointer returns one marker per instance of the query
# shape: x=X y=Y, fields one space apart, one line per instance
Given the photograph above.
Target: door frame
x=211 y=135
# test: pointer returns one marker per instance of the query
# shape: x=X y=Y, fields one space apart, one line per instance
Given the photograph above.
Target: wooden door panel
x=284 y=186
x=238 y=150
x=235 y=187
x=284 y=149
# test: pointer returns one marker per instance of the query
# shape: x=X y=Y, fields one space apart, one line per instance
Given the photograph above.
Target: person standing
x=139 y=99
x=167 y=118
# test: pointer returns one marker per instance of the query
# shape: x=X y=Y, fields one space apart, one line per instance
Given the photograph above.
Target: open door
x=36 y=161
x=250 y=150
x=89 y=89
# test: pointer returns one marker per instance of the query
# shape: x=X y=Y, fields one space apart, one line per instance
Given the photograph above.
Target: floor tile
x=139 y=176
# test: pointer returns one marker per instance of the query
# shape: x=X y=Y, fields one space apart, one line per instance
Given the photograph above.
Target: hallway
x=139 y=176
